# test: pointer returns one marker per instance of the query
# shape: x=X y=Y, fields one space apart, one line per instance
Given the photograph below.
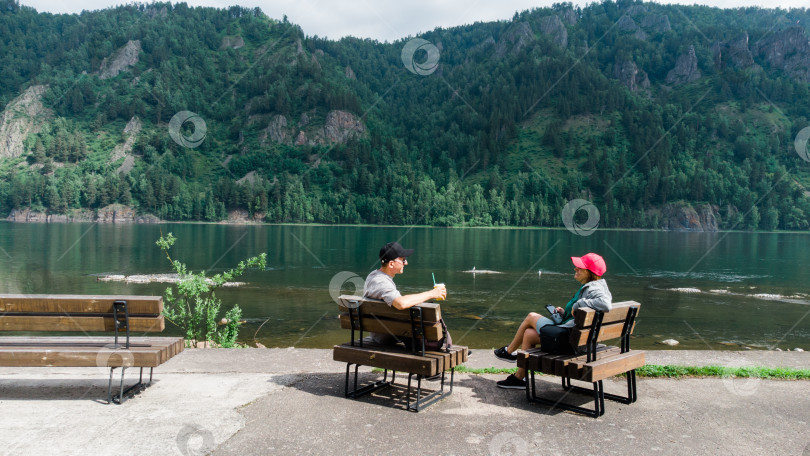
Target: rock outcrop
x=277 y=130
x=515 y=38
x=683 y=217
x=342 y=125
x=123 y=150
x=22 y=117
x=338 y=127
x=570 y=16
x=686 y=69
x=114 y=213
x=122 y=60
x=656 y=23
x=553 y=27
x=629 y=74
x=734 y=53
x=626 y=24
x=788 y=50
x=349 y=73
x=233 y=42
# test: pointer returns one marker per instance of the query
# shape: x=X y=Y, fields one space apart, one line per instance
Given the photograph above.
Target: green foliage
x=501 y=135
x=194 y=305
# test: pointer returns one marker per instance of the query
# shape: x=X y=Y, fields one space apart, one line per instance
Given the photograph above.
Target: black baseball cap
x=392 y=251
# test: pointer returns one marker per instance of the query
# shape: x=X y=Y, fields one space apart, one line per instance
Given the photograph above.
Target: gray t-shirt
x=380 y=285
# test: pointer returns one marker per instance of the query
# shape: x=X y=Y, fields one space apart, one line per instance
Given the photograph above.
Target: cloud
x=383 y=20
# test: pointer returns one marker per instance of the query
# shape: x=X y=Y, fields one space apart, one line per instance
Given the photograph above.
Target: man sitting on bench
x=380 y=285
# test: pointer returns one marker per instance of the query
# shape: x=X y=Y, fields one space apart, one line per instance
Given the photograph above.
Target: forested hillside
x=662 y=116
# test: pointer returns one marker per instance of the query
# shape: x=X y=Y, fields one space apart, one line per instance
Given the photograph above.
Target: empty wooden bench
x=594 y=362
x=419 y=323
x=121 y=315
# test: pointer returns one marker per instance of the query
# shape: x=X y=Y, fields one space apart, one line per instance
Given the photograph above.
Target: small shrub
x=194 y=306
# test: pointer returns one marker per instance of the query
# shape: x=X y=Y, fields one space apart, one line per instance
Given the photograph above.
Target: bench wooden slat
x=574 y=363
x=611 y=365
x=77 y=323
x=137 y=305
x=388 y=359
x=79 y=357
x=393 y=327
x=584 y=317
x=430 y=311
x=85 y=351
x=579 y=337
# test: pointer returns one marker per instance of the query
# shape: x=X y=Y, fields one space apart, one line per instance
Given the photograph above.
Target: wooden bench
x=419 y=323
x=594 y=362
x=88 y=314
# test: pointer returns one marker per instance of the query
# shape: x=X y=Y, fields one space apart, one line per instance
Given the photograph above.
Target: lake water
x=706 y=290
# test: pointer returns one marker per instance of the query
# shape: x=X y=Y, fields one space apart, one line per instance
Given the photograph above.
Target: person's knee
x=530 y=339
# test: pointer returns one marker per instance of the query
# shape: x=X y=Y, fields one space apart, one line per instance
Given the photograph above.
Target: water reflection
x=752 y=292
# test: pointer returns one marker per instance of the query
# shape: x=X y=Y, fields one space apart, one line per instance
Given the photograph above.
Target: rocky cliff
x=734 y=53
x=788 y=50
x=554 y=28
x=516 y=37
x=21 y=117
x=131 y=131
x=629 y=74
x=114 y=213
x=684 y=217
x=122 y=60
x=338 y=127
x=686 y=69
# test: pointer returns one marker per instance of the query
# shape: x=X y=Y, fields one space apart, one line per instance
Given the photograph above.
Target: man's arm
x=408 y=301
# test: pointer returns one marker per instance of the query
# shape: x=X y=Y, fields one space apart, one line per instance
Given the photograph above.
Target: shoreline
x=365 y=225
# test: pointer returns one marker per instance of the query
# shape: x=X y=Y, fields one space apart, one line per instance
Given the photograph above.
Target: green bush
x=194 y=306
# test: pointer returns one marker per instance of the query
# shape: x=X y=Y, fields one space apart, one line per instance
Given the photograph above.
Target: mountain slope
x=651 y=112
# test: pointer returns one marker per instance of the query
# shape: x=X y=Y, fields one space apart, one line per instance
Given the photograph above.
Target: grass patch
x=774 y=373
x=668 y=371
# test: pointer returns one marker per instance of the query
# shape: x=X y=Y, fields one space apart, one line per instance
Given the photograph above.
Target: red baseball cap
x=591 y=262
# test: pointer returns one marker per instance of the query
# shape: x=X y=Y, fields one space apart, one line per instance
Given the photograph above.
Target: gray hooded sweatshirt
x=595 y=295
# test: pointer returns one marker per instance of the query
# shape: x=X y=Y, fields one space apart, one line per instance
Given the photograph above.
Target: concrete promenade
x=290 y=401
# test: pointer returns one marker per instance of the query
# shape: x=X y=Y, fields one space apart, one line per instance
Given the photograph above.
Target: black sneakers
x=504 y=355
x=512 y=382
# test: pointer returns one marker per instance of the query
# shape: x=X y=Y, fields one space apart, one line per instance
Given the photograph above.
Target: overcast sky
x=384 y=20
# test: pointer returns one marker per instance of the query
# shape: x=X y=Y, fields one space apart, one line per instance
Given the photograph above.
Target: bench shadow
x=65 y=389
x=483 y=390
x=333 y=384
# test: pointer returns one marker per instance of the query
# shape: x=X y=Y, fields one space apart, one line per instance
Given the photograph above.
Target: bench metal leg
x=370 y=388
x=598 y=398
x=632 y=391
x=431 y=398
x=598 y=391
x=140 y=385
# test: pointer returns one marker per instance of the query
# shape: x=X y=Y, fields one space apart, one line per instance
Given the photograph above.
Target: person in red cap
x=594 y=293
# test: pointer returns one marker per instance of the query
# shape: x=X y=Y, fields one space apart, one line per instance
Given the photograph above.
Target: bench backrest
x=86 y=313
x=612 y=324
x=365 y=314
